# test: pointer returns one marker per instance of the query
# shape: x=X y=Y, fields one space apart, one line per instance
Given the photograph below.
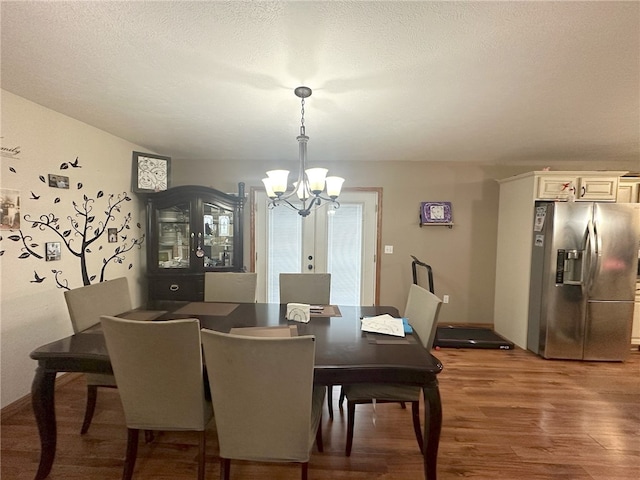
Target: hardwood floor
x=507 y=414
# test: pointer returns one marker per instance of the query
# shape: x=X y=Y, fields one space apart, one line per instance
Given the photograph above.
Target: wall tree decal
x=80 y=231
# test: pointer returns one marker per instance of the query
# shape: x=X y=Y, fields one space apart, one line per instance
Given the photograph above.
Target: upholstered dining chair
x=86 y=305
x=234 y=287
x=422 y=311
x=311 y=288
x=266 y=406
x=159 y=370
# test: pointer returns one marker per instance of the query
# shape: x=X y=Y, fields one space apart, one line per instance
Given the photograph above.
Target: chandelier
x=311 y=183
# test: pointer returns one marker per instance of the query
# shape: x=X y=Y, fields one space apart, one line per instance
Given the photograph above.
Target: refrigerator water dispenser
x=569 y=267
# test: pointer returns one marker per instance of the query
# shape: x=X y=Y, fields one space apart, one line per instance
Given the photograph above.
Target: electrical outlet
x=445 y=299
x=388 y=249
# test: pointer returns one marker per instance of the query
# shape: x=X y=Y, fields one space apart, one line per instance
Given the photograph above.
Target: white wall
x=32 y=314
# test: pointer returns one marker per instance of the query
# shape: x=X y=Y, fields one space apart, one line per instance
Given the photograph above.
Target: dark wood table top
x=344 y=354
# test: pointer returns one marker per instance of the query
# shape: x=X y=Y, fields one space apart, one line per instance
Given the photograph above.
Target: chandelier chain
x=302 y=129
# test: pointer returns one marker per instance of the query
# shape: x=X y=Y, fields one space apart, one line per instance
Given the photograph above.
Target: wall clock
x=151 y=173
x=436 y=213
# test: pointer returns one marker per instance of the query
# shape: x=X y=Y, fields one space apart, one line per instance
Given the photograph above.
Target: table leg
x=432 y=428
x=42 y=400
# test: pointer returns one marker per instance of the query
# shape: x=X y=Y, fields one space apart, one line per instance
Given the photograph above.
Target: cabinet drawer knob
x=174 y=287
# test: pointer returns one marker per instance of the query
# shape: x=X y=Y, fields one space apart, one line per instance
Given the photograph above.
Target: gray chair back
x=86 y=304
x=422 y=310
x=235 y=287
x=262 y=393
x=311 y=288
x=159 y=370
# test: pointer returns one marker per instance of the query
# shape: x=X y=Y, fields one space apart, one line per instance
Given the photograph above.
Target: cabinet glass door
x=218 y=224
x=174 y=237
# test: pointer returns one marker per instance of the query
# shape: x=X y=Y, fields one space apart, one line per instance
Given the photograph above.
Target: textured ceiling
x=502 y=82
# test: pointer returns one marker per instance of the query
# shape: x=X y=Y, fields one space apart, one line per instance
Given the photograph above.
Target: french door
x=341 y=241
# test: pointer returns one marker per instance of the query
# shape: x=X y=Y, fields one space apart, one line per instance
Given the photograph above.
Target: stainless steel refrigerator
x=583 y=279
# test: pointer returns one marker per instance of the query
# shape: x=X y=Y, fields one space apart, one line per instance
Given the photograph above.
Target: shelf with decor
x=436 y=213
x=192 y=230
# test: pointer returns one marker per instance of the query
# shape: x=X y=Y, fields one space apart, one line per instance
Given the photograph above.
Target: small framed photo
x=52 y=251
x=151 y=173
x=164 y=256
x=436 y=213
x=112 y=234
x=9 y=209
x=58 y=181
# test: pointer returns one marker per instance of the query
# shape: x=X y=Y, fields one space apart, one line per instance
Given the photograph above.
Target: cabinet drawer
x=168 y=287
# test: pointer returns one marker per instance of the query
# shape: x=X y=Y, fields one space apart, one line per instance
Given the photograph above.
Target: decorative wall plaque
x=151 y=173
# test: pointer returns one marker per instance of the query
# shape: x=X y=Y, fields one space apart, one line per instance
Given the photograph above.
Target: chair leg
x=201 y=450
x=225 y=465
x=149 y=436
x=132 y=453
x=330 y=400
x=415 y=413
x=351 y=413
x=92 y=396
x=403 y=405
x=342 y=397
x=305 y=470
x=319 y=441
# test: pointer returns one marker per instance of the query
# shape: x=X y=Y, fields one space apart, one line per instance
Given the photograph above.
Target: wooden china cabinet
x=191 y=230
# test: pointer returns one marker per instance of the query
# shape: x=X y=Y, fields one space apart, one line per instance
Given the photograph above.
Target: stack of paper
x=385 y=324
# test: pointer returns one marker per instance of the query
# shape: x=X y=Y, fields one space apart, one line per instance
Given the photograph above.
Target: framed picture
x=112 y=234
x=436 y=213
x=52 y=251
x=164 y=256
x=9 y=209
x=151 y=173
x=58 y=181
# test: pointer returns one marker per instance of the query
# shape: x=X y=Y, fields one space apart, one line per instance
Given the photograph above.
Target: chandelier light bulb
x=278 y=181
x=316 y=177
x=267 y=186
x=334 y=186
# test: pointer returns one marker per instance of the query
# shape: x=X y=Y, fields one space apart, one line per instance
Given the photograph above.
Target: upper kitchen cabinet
x=191 y=230
x=629 y=190
x=584 y=186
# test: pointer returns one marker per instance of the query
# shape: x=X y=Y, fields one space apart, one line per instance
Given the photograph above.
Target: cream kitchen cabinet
x=629 y=190
x=585 y=186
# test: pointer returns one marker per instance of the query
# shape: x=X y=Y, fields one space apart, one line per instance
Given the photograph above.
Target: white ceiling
x=501 y=82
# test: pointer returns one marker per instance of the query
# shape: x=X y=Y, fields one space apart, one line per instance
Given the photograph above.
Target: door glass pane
x=344 y=253
x=173 y=237
x=217 y=242
x=284 y=252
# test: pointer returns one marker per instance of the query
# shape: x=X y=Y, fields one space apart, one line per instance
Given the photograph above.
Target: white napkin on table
x=299 y=312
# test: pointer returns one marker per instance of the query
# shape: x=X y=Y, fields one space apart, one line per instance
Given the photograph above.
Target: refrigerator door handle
x=592 y=241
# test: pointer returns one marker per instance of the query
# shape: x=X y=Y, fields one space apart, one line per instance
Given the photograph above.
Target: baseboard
x=23 y=402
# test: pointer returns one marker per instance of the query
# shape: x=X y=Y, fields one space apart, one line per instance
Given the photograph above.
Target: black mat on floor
x=469 y=337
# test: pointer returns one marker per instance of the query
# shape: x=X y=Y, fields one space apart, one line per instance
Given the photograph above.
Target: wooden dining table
x=344 y=355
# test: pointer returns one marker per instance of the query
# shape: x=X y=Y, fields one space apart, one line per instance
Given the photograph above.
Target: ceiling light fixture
x=311 y=181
